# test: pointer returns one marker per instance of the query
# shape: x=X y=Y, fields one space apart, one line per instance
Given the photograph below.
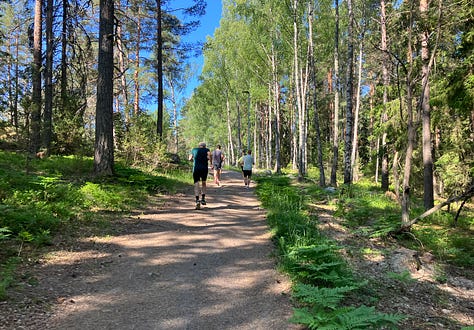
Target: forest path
x=174 y=267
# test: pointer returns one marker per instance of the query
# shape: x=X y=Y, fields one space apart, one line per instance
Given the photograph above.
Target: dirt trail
x=176 y=268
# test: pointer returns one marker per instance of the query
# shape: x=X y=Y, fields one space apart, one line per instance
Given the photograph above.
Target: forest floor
x=172 y=267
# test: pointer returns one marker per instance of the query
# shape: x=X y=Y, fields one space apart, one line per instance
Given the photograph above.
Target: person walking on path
x=240 y=162
x=217 y=160
x=201 y=157
x=247 y=163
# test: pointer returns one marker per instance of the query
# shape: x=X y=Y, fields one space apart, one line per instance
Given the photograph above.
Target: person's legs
x=204 y=188
x=246 y=178
x=196 y=190
x=216 y=174
x=196 y=185
x=196 y=194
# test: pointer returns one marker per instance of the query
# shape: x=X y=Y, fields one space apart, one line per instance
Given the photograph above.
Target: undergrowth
x=321 y=277
x=370 y=213
x=41 y=198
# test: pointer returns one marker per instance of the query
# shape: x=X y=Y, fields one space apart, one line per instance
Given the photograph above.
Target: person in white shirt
x=247 y=163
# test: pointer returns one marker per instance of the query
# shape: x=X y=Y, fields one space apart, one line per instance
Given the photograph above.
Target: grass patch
x=43 y=197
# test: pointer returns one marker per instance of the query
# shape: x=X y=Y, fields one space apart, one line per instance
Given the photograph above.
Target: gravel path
x=178 y=268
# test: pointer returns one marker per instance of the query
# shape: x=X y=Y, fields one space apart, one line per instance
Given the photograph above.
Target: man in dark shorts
x=201 y=157
x=217 y=160
x=247 y=163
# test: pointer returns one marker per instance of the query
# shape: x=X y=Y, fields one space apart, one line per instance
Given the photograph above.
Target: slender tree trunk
x=269 y=129
x=239 y=131
x=36 y=80
x=175 y=110
x=299 y=115
x=122 y=66
x=322 y=178
x=349 y=98
x=355 y=174
x=159 y=57
x=396 y=176
x=229 y=128
x=411 y=130
x=17 y=86
x=428 y=197
x=335 y=142
x=48 y=80
x=64 y=42
x=386 y=82
x=136 y=102
x=104 y=139
x=408 y=156
x=276 y=107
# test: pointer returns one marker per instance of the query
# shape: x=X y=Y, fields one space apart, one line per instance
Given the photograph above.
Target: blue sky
x=209 y=23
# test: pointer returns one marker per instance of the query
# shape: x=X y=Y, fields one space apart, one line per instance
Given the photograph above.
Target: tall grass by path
x=321 y=278
x=44 y=197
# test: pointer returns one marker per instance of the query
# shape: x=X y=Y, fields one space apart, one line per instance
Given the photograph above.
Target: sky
x=209 y=23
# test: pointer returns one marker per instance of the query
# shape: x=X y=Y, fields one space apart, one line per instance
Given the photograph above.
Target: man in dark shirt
x=217 y=160
x=201 y=157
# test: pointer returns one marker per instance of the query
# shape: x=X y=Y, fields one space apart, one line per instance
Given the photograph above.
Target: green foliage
x=322 y=278
x=4 y=233
x=453 y=245
x=321 y=297
x=367 y=210
x=455 y=174
x=350 y=318
x=318 y=264
x=59 y=191
x=7 y=275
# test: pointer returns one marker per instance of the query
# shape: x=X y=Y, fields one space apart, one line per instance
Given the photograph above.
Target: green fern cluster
x=318 y=264
x=322 y=277
x=321 y=310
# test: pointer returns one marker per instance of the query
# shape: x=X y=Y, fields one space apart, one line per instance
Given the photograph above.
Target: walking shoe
x=203 y=202
x=198 y=205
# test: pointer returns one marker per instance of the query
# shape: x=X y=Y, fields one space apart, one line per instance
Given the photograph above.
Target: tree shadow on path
x=177 y=268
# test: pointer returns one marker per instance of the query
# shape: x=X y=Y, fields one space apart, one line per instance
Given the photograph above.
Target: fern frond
x=321 y=297
x=364 y=317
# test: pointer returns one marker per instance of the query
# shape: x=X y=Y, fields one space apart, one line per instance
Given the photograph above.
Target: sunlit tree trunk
x=276 y=107
x=297 y=98
x=136 y=102
x=122 y=67
x=269 y=130
x=335 y=142
x=174 y=105
x=239 y=135
x=354 y=167
x=386 y=82
x=230 y=143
